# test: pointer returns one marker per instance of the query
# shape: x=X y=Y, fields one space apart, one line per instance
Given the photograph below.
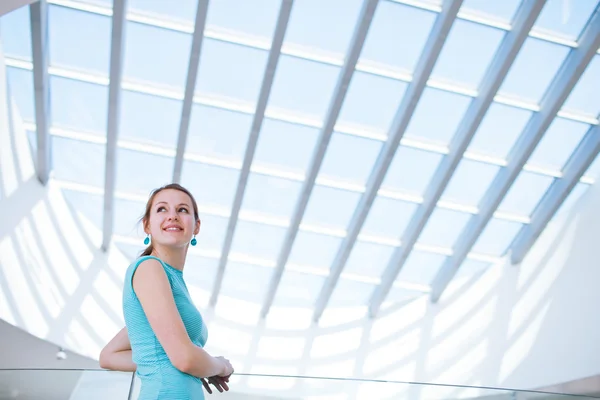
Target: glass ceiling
x=440 y=158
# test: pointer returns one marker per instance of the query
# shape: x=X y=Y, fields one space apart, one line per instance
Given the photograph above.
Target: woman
x=164 y=333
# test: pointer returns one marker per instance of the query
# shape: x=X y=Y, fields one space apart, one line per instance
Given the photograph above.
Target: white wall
x=521 y=327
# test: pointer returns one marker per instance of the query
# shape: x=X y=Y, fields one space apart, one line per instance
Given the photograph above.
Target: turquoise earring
x=147 y=240
x=194 y=241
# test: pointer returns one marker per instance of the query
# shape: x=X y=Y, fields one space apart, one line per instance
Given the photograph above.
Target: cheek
x=155 y=223
x=189 y=222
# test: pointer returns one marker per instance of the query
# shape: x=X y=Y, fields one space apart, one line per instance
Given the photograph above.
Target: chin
x=178 y=244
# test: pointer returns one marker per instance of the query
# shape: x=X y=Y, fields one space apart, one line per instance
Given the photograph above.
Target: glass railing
x=71 y=384
x=64 y=384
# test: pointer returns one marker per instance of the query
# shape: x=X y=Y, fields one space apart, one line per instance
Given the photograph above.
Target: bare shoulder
x=149 y=272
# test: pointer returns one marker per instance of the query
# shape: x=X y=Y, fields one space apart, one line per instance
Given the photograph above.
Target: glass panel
x=525 y=194
x=32 y=142
x=392 y=21
x=314 y=249
x=231 y=70
x=411 y=170
x=388 y=218
x=349 y=158
x=156 y=55
x=498 y=10
x=372 y=101
x=496 y=237
x=499 y=130
x=126 y=222
x=470 y=268
x=311 y=18
x=473 y=44
x=141 y=173
x=257 y=18
x=84 y=163
x=349 y=293
x=199 y=274
x=303 y=86
x=572 y=202
x=212 y=186
x=15 y=30
x=102 y=3
x=438 y=115
x=218 y=133
x=258 y=240
x=368 y=259
x=285 y=146
x=246 y=282
x=534 y=68
x=398 y=295
x=421 y=267
x=297 y=289
x=330 y=207
x=86 y=206
x=212 y=232
x=78 y=39
x=594 y=169
x=69 y=384
x=444 y=227
x=558 y=143
x=565 y=18
x=470 y=182
x=585 y=97
x=331 y=350
x=184 y=10
x=149 y=119
x=271 y=196
x=20 y=83
x=79 y=105
x=130 y=251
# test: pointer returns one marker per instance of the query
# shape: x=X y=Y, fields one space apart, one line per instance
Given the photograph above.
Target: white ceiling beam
x=190 y=87
x=339 y=94
x=114 y=110
x=38 y=12
x=497 y=71
x=259 y=115
x=563 y=83
x=429 y=56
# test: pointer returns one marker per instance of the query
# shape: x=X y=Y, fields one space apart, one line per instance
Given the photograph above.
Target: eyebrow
x=180 y=204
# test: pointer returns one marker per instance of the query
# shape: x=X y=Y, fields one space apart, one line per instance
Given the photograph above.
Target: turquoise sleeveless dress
x=160 y=380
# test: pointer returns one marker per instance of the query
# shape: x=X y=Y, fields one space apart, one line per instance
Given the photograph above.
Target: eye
x=159 y=209
x=183 y=209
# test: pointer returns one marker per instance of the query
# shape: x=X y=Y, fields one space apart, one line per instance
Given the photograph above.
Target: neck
x=175 y=257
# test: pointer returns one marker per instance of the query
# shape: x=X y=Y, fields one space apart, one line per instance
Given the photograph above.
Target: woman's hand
x=220 y=382
x=227 y=367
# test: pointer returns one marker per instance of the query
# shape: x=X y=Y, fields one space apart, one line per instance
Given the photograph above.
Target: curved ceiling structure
x=343 y=153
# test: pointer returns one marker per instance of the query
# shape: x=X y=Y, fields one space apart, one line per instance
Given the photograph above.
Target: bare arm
x=116 y=355
x=152 y=288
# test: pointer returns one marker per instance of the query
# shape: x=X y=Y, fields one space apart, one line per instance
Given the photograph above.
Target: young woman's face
x=172 y=222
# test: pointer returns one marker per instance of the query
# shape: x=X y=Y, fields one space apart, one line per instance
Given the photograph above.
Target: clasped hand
x=219 y=381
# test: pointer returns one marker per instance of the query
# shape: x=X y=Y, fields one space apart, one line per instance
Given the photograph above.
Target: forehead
x=172 y=196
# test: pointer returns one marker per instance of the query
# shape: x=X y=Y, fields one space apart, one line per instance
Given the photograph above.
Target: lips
x=172 y=228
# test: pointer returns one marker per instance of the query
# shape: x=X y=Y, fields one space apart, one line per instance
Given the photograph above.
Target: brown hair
x=146 y=217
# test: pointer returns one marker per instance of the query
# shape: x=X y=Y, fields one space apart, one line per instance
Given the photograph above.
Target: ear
x=197 y=228
x=146 y=227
